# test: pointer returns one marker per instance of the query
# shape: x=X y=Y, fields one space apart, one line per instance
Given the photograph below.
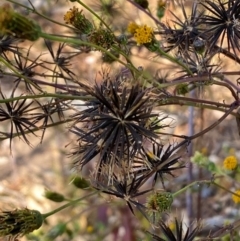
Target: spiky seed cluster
x=114 y=125
x=222 y=20
x=8 y=43
x=19 y=222
x=186 y=31
x=24 y=117
x=159 y=161
x=78 y=20
x=125 y=188
x=180 y=232
x=13 y=23
x=216 y=22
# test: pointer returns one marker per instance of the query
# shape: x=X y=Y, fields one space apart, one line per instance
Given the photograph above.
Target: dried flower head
x=22 y=117
x=124 y=187
x=159 y=161
x=78 y=20
x=178 y=234
x=19 y=222
x=13 y=23
x=230 y=163
x=8 y=43
x=185 y=31
x=222 y=21
x=114 y=124
x=236 y=198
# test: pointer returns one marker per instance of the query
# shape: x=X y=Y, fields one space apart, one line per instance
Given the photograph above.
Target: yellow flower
x=90 y=229
x=230 y=163
x=236 y=198
x=18 y=25
x=132 y=27
x=204 y=151
x=161 y=7
x=69 y=17
x=161 y=3
x=143 y=34
x=78 y=20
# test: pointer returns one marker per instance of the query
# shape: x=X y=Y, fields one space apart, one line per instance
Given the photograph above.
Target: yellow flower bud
x=13 y=23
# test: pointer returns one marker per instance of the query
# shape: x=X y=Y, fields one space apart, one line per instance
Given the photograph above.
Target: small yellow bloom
x=151 y=155
x=90 y=229
x=204 y=151
x=236 y=198
x=143 y=34
x=69 y=17
x=78 y=20
x=172 y=226
x=132 y=27
x=230 y=163
x=161 y=3
x=18 y=25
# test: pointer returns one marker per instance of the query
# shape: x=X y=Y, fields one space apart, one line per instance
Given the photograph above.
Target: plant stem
x=45 y=95
x=208 y=182
x=71 y=40
x=94 y=13
x=174 y=60
x=10 y=66
x=71 y=203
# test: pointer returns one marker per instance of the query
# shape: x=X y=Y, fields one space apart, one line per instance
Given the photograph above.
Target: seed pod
x=54 y=196
x=80 y=182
